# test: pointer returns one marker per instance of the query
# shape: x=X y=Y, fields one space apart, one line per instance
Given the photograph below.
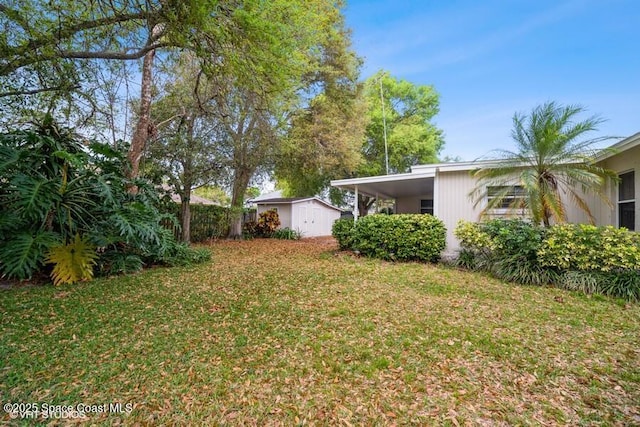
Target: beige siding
x=407 y=205
x=626 y=161
x=453 y=203
x=600 y=210
x=607 y=213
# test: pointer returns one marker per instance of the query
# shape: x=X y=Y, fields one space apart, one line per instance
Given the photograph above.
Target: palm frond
x=552 y=157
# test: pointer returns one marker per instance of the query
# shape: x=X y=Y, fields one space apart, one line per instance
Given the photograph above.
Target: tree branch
x=111 y=54
x=20 y=56
x=15 y=16
x=36 y=91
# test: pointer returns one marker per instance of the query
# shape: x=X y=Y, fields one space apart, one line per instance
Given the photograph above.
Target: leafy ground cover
x=292 y=332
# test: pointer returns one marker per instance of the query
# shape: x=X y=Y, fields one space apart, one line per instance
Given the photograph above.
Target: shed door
x=316 y=222
x=302 y=223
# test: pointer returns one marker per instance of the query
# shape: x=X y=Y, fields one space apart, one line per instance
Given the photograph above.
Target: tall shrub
x=54 y=192
x=578 y=257
x=594 y=259
x=207 y=221
x=406 y=237
x=266 y=225
x=342 y=230
x=507 y=248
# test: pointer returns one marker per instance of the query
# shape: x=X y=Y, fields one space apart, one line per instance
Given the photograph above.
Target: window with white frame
x=627 y=201
x=512 y=196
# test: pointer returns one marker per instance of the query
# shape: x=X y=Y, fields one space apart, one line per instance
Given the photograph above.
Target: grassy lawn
x=285 y=333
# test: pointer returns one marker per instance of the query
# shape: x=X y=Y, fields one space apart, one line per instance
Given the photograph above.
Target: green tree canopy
x=403 y=111
x=325 y=130
x=411 y=136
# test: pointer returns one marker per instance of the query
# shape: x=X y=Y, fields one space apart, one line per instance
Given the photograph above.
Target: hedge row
x=589 y=248
x=582 y=257
x=405 y=237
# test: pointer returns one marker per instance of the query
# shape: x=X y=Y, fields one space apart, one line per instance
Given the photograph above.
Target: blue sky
x=490 y=59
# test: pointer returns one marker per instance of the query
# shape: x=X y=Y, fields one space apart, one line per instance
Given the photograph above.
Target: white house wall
x=454 y=203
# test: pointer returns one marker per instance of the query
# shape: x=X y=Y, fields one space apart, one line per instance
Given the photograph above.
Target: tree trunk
x=141 y=132
x=240 y=184
x=187 y=184
x=185 y=212
x=364 y=203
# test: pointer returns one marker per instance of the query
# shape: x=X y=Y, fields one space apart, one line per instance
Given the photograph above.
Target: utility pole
x=384 y=127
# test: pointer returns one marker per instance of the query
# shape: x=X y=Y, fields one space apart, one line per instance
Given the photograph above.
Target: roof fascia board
x=291 y=202
x=383 y=178
x=619 y=147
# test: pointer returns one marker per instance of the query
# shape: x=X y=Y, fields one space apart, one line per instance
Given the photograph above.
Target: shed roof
x=292 y=200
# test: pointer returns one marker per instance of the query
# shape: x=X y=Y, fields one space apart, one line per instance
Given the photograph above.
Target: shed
x=311 y=216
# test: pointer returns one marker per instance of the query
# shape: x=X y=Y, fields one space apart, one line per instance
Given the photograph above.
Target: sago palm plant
x=552 y=158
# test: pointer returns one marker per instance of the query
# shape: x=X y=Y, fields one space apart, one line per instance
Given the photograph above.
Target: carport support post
x=355 y=208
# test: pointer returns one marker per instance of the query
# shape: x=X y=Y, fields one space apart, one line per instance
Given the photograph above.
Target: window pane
x=511 y=195
x=519 y=191
x=493 y=191
x=426 y=206
x=627 y=215
x=626 y=189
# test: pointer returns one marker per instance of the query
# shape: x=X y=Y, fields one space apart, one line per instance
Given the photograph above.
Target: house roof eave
x=619 y=147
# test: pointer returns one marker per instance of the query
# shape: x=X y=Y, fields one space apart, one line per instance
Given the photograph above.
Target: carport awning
x=390 y=186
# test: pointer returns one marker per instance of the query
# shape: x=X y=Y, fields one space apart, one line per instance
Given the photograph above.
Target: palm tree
x=552 y=159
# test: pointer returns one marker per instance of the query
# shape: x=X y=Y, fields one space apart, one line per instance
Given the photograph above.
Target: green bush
x=576 y=257
x=582 y=281
x=466 y=259
x=507 y=248
x=267 y=224
x=622 y=284
x=618 y=283
x=342 y=230
x=286 y=234
x=472 y=237
x=588 y=248
x=405 y=237
x=207 y=221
